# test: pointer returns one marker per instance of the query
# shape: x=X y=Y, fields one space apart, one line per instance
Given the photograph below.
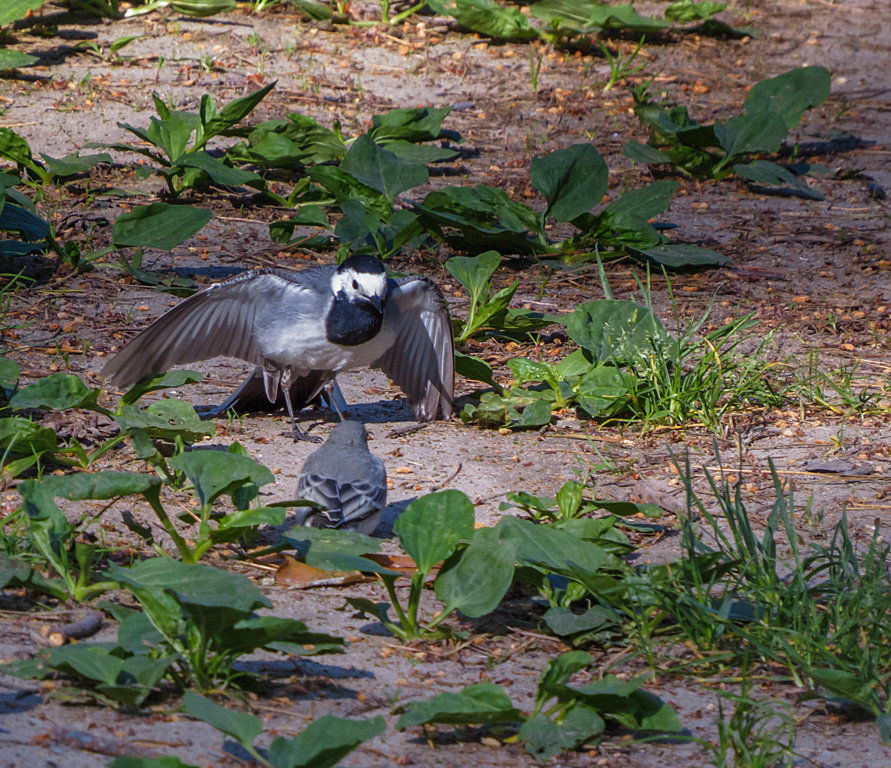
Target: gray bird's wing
x=220 y=320
x=422 y=358
x=346 y=503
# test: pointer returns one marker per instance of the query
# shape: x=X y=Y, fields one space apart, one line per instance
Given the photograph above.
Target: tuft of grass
x=822 y=612
x=687 y=377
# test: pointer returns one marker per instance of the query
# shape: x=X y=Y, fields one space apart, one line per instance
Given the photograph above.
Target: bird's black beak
x=376 y=300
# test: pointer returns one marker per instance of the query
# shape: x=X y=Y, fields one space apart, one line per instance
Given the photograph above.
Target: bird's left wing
x=422 y=357
x=344 y=504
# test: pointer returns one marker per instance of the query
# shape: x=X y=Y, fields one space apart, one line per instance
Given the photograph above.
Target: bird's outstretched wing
x=422 y=359
x=219 y=320
x=345 y=504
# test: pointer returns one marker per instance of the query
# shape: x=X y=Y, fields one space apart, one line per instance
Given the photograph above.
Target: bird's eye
x=355 y=286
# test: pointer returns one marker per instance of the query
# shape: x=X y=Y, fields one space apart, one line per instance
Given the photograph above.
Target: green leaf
x=108 y=484
x=168 y=380
x=569 y=498
x=74 y=163
x=643 y=153
x=410 y=125
x=13 y=10
x=9 y=374
x=23 y=436
x=679 y=255
x=477 y=704
x=214 y=473
x=545 y=738
x=787 y=96
x=166 y=420
x=534 y=415
x=10 y=59
x=773 y=175
x=474 y=272
x=324 y=742
x=170 y=590
x=557 y=671
x=642 y=204
x=475 y=369
x=202 y=8
x=572 y=180
x=552 y=548
x=306 y=538
x=688 y=10
x=563 y=622
x=432 y=526
x=241 y=726
x=237 y=109
x=593 y=16
x=612 y=330
x=488 y=18
x=475 y=580
x=14 y=218
x=14 y=573
x=158 y=225
x=219 y=171
x=59 y=391
x=380 y=169
x=481 y=218
x=748 y=133
x=167 y=761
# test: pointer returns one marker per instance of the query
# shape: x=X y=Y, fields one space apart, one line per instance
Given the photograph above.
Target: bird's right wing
x=422 y=357
x=219 y=320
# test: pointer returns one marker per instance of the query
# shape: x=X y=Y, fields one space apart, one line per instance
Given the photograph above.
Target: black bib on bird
x=349 y=323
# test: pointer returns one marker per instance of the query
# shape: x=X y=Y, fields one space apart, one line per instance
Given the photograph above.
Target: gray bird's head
x=362 y=279
x=349 y=434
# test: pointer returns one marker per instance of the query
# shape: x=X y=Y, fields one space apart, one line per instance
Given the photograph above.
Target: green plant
x=430 y=531
x=17 y=150
x=822 y=614
x=322 y=744
x=177 y=142
x=619 y=66
x=565 y=716
x=570 y=504
x=196 y=622
x=199 y=8
x=488 y=310
x=772 y=108
x=629 y=367
x=758 y=733
x=63 y=545
x=572 y=181
x=93 y=48
x=535 y=62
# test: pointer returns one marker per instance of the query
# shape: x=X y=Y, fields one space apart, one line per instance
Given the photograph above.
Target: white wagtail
x=302 y=328
x=346 y=480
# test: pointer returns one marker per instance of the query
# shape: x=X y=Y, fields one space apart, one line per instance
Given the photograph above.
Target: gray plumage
x=346 y=480
x=302 y=328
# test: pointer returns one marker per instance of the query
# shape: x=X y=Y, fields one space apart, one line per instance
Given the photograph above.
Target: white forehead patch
x=366 y=284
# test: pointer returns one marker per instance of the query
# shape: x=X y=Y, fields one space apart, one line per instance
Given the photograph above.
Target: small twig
x=403 y=431
x=88 y=626
x=448 y=480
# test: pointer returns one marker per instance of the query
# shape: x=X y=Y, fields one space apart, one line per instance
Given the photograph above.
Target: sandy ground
x=816 y=274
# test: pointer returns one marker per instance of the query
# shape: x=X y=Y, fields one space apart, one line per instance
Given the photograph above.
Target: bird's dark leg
x=297 y=433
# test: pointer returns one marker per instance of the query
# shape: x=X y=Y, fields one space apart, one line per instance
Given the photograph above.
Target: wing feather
x=422 y=358
x=220 y=320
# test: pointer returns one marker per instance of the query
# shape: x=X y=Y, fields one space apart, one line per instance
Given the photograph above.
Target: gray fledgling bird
x=302 y=328
x=346 y=480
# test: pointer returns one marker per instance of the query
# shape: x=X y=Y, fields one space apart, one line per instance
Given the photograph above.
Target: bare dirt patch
x=816 y=274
